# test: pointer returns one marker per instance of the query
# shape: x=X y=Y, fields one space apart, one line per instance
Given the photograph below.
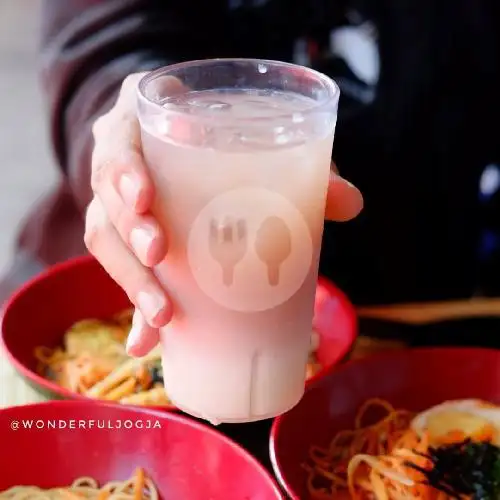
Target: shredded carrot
x=487 y=433
x=143 y=378
x=451 y=437
x=103 y=495
x=140 y=483
x=72 y=495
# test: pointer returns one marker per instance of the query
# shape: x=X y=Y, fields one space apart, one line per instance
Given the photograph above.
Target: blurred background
x=25 y=155
x=27 y=162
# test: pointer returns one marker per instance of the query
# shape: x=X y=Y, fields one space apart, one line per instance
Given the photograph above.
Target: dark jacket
x=418 y=119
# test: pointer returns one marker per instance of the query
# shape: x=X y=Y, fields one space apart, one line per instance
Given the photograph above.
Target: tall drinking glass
x=239 y=151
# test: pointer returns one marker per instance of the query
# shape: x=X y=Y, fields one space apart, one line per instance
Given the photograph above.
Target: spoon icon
x=273 y=245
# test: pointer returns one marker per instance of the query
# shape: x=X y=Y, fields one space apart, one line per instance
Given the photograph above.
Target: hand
x=121 y=233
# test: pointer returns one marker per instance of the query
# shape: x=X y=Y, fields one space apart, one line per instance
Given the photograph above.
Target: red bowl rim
x=52 y=387
x=173 y=417
x=352 y=330
x=32 y=376
x=382 y=357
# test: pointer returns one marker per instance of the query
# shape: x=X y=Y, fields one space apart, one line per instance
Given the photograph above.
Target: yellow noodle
x=87 y=488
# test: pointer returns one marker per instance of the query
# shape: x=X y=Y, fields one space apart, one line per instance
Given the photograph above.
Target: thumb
x=344 y=201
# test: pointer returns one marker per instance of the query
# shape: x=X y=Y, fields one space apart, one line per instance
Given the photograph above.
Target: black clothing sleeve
x=90 y=46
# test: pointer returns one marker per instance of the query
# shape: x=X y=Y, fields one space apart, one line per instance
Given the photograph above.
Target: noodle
x=92 y=361
x=395 y=459
x=138 y=487
x=369 y=460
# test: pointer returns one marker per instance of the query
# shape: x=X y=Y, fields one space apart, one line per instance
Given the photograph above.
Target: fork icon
x=228 y=245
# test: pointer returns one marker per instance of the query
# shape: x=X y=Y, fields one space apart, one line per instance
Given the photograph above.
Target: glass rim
x=329 y=84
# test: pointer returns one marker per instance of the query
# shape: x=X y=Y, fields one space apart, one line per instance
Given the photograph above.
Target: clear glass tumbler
x=240 y=152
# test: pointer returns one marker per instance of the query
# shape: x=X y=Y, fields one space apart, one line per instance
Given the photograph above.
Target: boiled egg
x=470 y=417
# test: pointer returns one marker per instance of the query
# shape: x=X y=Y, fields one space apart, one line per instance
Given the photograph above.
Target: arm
x=90 y=46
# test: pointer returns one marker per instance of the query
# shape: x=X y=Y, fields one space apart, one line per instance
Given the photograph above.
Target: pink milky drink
x=239 y=151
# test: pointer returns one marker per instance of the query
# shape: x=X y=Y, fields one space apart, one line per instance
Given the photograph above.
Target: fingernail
x=350 y=184
x=141 y=239
x=129 y=190
x=151 y=305
x=134 y=335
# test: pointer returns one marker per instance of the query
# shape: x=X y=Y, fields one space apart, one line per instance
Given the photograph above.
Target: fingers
x=139 y=282
x=119 y=175
x=344 y=201
x=120 y=231
x=117 y=157
x=117 y=161
x=142 y=337
x=120 y=178
x=141 y=233
x=127 y=98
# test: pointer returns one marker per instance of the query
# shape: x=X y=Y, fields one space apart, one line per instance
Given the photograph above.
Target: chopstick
x=430 y=312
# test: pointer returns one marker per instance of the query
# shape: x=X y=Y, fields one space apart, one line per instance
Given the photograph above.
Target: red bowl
x=41 y=311
x=185 y=459
x=44 y=308
x=414 y=379
x=336 y=322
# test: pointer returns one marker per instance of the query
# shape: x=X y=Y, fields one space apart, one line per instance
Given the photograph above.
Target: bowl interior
x=413 y=380
x=183 y=458
x=42 y=310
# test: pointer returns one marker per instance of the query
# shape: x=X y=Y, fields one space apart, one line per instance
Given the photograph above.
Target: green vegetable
x=464 y=469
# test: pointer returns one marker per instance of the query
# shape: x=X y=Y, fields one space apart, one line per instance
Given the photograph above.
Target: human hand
x=120 y=231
